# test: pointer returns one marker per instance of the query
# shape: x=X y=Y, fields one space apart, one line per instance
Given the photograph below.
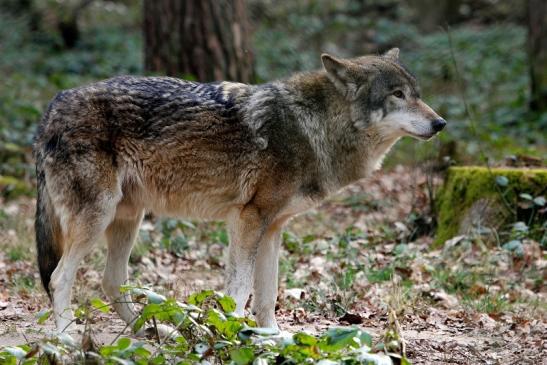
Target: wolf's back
x=102 y=119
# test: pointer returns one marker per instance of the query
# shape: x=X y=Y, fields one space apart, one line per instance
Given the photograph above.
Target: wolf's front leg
x=239 y=274
x=245 y=230
x=265 y=278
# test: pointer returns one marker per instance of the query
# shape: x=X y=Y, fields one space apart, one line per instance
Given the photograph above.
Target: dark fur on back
x=91 y=133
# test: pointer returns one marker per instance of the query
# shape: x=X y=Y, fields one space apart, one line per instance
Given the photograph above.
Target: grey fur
x=252 y=155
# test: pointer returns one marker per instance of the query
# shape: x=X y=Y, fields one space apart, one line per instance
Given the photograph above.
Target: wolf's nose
x=438 y=124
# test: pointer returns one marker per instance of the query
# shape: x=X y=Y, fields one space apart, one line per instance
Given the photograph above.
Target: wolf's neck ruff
x=311 y=104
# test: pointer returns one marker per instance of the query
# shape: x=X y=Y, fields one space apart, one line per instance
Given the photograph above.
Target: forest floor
x=361 y=255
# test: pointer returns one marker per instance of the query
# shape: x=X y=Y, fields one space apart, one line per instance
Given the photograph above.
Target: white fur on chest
x=377 y=155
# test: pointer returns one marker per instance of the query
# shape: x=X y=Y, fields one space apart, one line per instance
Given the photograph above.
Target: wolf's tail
x=47 y=226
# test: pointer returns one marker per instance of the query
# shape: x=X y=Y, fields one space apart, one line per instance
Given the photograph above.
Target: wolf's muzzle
x=438 y=124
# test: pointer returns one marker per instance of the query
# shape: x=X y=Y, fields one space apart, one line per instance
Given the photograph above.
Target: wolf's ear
x=338 y=73
x=392 y=54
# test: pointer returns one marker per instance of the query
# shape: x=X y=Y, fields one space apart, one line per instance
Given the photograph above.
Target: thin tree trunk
x=537 y=54
x=433 y=15
x=203 y=39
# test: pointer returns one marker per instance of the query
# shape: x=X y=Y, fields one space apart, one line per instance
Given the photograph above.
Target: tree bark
x=537 y=54
x=207 y=40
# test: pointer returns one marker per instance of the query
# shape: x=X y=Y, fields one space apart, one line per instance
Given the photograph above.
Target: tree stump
x=478 y=197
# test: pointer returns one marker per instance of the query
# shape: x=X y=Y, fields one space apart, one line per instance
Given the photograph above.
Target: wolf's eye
x=399 y=94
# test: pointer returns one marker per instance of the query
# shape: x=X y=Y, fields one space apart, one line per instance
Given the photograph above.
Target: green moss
x=466 y=185
x=11 y=187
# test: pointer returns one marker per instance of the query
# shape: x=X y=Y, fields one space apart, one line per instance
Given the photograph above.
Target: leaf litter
x=353 y=260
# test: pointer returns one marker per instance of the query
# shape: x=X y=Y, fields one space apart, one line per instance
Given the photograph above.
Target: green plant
x=203 y=330
x=490 y=303
x=380 y=275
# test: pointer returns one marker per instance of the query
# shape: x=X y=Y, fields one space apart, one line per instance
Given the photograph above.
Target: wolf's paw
x=270 y=324
x=161 y=330
x=281 y=338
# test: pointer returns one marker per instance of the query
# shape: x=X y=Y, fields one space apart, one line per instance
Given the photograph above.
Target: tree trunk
x=537 y=54
x=207 y=40
x=433 y=15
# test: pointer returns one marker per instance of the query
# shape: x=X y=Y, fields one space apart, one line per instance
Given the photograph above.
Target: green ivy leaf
x=107 y=350
x=227 y=303
x=18 y=352
x=142 y=352
x=502 y=180
x=149 y=311
x=216 y=319
x=7 y=358
x=366 y=339
x=119 y=360
x=201 y=348
x=515 y=246
x=158 y=360
x=51 y=349
x=222 y=344
x=520 y=227
x=302 y=338
x=154 y=297
x=242 y=356
x=338 y=338
x=80 y=312
x=540 y=201
x=187 y=224
x=199 y=298
x=98 y=304
x=123 y=343
x=260 y=361
x=43 y=315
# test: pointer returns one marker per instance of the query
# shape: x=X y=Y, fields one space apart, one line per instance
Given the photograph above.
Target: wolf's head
x=383 y=95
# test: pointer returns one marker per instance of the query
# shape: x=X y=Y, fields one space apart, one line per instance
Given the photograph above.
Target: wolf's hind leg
x=84 y=189
x=78 y=240
x=120 y=236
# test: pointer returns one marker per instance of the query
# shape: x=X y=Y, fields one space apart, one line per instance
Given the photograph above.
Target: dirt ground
x=360 y=256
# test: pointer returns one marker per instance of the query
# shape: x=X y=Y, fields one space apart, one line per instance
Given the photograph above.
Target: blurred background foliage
x=462 y=52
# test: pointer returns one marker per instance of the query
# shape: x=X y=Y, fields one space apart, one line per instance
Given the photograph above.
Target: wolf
x=252 y=155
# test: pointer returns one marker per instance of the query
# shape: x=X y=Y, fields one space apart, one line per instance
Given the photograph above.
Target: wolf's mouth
x=424 y=137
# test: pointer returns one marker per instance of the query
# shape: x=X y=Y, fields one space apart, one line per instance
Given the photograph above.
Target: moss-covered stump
x=490 y=198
